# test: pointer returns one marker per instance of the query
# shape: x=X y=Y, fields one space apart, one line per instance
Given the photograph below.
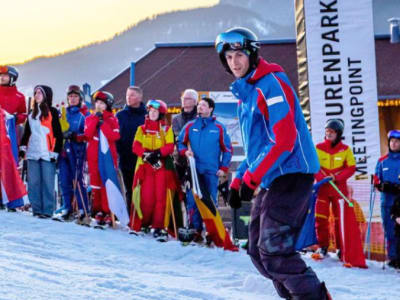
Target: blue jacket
x=129 y=119
x=388 y=170
x=76 y=119
x=209 y=142
x=275 y=136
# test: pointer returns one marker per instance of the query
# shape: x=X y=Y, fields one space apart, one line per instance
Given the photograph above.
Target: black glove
x=379 y=187
x=153 y=157
x=21 y=154
x=67 y=135
x=391 y=188
x=246 y=192
x=101 y=120
x=234 y=199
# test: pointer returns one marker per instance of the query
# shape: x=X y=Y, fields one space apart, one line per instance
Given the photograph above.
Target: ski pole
x=367 y=242
x=341 y=194
x=173 y=213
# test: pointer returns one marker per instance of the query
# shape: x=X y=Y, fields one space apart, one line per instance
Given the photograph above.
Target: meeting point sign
x=341 y=71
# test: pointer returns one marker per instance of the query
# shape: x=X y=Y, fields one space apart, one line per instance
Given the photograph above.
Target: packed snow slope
x=44 y=259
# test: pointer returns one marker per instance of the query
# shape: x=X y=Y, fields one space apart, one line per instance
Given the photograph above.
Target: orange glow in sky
x=47 y=27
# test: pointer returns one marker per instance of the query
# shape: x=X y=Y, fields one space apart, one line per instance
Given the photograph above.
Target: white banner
x=342 y=76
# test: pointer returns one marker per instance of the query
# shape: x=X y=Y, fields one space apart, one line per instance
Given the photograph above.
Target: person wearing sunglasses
x=153 y=145
x=104 y=119
x=280 y=161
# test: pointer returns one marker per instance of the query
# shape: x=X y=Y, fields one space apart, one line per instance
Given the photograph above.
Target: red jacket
x=13 y=102
x=110 y=128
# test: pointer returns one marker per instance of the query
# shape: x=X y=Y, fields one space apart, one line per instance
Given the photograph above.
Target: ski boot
x=160 y=235
x=61 y=215
x=320 y=254
x=108 y=220
x=99 y=218
x=83 y=219
x=198 y=237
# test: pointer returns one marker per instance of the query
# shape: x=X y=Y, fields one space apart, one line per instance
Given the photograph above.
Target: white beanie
x=190 y=93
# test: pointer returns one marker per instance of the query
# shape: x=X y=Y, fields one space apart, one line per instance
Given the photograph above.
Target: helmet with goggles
x=238 y=38
x=12 y=72
x=160 y=105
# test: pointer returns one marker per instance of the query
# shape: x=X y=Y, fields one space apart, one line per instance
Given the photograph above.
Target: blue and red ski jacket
x=388 y=170
x=275 y=136
x=208 y=140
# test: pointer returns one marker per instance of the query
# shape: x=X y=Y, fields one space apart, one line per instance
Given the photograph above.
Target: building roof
x=169 y=69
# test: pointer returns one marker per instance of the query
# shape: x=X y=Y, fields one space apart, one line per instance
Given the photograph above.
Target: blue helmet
x=394 y=134
x=238 y=38
x=12 y=72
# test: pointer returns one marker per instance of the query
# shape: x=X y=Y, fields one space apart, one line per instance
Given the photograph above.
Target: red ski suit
x=13 y=102
x=338 y=161
x=154 y=182
x=110 y=129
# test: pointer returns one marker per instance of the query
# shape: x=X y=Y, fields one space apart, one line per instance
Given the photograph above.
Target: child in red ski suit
x=103 y=119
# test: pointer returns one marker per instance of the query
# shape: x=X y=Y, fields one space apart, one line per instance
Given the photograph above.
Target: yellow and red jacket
x=153 y=135
x=338 y=161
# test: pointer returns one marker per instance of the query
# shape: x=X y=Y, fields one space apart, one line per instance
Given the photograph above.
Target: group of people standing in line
x=281 y=161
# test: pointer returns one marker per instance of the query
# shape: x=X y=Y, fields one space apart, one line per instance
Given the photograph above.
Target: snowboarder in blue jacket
x=280 y=160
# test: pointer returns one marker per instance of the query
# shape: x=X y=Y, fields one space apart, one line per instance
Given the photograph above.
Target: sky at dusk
x=48 y=27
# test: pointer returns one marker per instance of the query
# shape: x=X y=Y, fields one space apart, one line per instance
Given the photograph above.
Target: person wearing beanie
x=73 y=157
x=103 y=119
x=153 y=145
x=280 y=160
x=129 y=119
x=338 y=163
x=207 y=140
x=13 y=102
x=41 y=144
x=387 y=181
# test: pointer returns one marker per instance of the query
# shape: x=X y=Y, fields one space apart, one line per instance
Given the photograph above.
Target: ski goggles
x=74 y=89
x=394 y=134
x=153 y=103
x=233 y=41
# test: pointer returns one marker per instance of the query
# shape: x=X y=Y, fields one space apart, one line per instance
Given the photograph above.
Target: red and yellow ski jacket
x=153 y=135
x=337 y=161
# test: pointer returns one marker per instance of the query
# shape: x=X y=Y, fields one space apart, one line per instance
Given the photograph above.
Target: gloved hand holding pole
x=340 y=193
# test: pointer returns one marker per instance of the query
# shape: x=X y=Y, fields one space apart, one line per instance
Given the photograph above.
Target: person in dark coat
x=129 y=119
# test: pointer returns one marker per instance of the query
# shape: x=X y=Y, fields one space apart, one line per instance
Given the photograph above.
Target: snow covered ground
x=43 y=259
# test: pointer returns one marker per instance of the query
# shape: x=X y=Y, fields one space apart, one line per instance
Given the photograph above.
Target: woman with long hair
x=42 y=142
